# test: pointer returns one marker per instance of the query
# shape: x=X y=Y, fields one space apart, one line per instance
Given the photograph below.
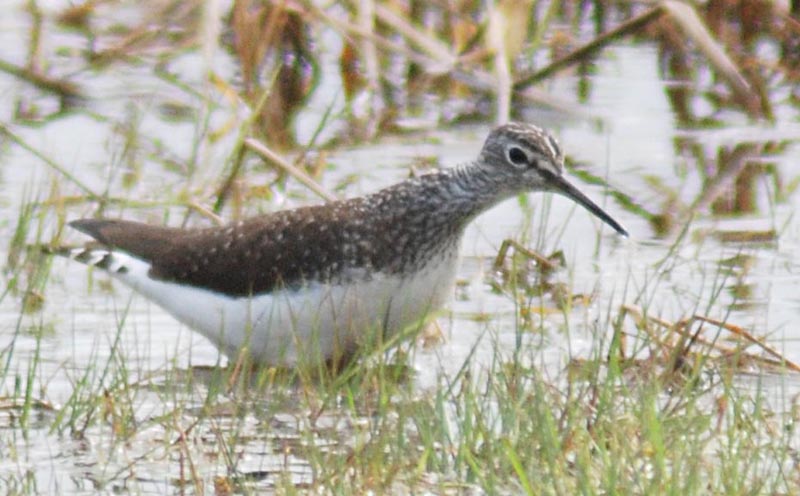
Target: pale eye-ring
x=517 y=156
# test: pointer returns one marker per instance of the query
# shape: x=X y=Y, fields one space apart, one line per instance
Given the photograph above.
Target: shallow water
x=84 y=316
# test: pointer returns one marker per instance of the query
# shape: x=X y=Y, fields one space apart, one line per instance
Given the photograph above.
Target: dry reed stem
x=685 y=16
x=293 y=171
x=739 y=331
x=369 y=52
x=433 y=47
x=346 y=28
x=721 y=183
x=680 y=327
x=580 y=53
x=61 y=87
x=496 y=40
x=205 y=212
x=540 y=259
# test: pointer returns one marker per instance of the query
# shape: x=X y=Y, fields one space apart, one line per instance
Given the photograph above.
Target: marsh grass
x=613 y=423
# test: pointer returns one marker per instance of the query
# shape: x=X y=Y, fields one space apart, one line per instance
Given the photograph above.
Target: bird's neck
x=464 y=191
x=446 y=200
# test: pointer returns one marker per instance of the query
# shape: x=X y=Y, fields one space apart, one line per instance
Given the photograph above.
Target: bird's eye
x=517 y=156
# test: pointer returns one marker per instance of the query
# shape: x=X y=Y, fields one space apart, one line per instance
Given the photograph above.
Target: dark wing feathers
x=282 y=249
x=141 y=240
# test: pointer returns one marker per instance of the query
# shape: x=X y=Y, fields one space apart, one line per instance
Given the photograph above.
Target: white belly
x=288 y=327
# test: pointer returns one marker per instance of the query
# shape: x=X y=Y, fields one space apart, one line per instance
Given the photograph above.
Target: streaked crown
x=527 y=152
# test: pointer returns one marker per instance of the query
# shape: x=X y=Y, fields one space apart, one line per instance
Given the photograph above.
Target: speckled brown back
x=287 y=248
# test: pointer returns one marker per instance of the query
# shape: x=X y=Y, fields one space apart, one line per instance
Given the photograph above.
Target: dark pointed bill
x=561 y=186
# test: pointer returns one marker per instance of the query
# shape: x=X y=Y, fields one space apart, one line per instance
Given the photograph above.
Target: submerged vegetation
x=650 y=369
